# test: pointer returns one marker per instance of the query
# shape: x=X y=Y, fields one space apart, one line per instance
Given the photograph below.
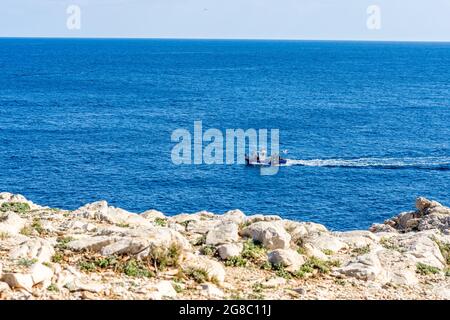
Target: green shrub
x=37 y=225
x=136 y=268
x=26 y=262
x=161 y=222
x=58 y=257
x=197 y=274
x=280 y=271
x=253 y=251
x=361 y=250
x=61 y=243
x=425 y=269
x=53 y=288
x=208 y=250
x=237 y=261
x=17 y=207
x=161 y=258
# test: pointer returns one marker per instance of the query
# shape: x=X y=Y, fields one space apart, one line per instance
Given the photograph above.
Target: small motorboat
x=275 y=161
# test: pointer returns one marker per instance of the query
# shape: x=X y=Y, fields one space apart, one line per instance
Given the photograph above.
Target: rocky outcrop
x=430 y=215
x=102 y=252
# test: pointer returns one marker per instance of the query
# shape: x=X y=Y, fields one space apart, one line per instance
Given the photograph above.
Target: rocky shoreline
x=102 y=252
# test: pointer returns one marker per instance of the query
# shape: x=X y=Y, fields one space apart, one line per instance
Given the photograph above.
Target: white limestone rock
x=225 y=232
x=11 y=223
x=271 y=234
x=230 y=250
x=39 y=249
x=288 y=258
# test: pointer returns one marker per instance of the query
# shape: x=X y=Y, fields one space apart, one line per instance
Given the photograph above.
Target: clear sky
x=410 y=20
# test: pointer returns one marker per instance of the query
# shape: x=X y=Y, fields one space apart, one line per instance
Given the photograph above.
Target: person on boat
x=262 y=156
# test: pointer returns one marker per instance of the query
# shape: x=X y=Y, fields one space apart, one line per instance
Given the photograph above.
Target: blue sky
x=409 y=20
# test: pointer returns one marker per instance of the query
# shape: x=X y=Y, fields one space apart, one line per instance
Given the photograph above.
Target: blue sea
x=367 y=123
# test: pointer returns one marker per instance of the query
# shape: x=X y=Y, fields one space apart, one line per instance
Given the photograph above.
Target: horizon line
x=225 y=39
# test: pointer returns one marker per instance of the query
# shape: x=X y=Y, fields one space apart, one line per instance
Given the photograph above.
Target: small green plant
x=17 y=207
x=87 y=266
x=257 y=287
x=425 y=269
x=200 y=241
x=244 y=225
x=314 y=264
x=361 y=250
x=208 y=250
x=197 y=274
x=445 y=250
x=237 y=261
x=280 y=271
x=447 y=272
x=53 y=288
x=61 y=243
x=107 y=262
x=253 y=251
x=340 y=282
x=135 y=268
x=328 y=252
x=58 y=257
x=266 y=265
x=301 y=250
x=37 y=225
x=26 y=262
x=178 y=288
x=388 y=244
x=26 y=231
x=123 y=225
x=161 y=222
x=161 y=258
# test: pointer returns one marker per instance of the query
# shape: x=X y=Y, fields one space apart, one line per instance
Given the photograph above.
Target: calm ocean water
x=83 y=120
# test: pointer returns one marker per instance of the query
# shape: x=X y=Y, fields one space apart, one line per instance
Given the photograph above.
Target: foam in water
x=430 y=163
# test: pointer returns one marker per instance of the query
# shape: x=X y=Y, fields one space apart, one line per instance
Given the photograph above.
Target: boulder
x=260 y=217
x=314 y=252
x=288 y=258
x=271 y=234
x=357 y=239
x=201 y=226
x=38 y=249
x=423 y=204
x=11 y=223
x=124 y=246
x=214 y=270
x=85 y=285
x=90 y=243
x=230 y=250
x=100 y=211
x=6 y=197
x=163 y=289
x=236 y=216
x=152 y=215
x=78 y=226
x=273 y=282
x=225 y=232
x=422 y=249
x=41 y=273
x=325 y=241
x=365 y=267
